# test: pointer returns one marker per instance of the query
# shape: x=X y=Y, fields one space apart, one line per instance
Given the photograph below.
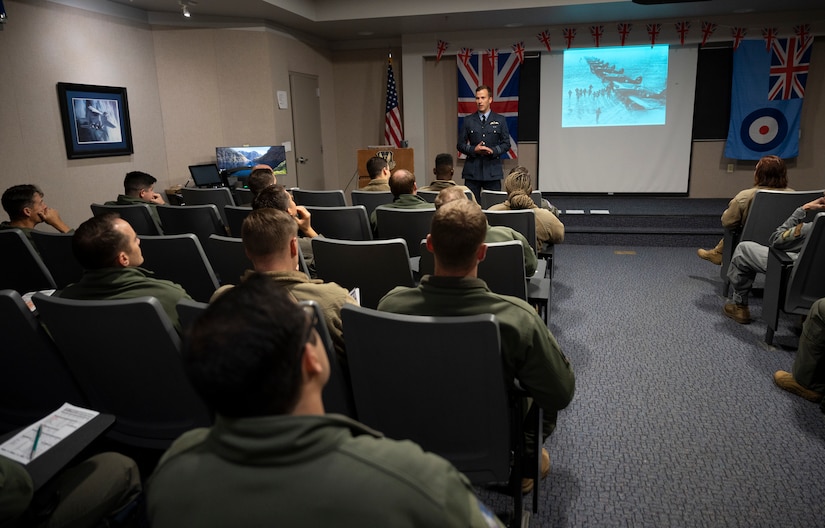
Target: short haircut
x=272 y=197
x=136 y=181
x=96 y=243
x=443 y=164
x=518 y=180
x=485 y=87
x=457 y=231
x=450 y=194
x=260 y=179
x=17 y=198
x=771 y=172
x=267 y=231
x=375 y=165
x=244 y=353
x=401 y=182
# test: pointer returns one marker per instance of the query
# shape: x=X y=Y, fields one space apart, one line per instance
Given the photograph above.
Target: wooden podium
x=399 y=158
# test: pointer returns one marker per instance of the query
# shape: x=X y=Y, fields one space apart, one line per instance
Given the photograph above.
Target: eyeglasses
x=311 y=321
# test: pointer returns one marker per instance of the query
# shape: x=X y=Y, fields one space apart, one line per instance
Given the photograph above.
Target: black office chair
x=137 y=376
x=235 y=215
x=180 y=259
x=139 y=216
x=37 y=380
x=370 y=199
x=201 y=220
x=21 y=268
x=410 y=224
x=220 y=197
x=792 y=286
x=343 y=222
x=403 y=372
x=350 y=264
x=305 y=197
x=56 y=251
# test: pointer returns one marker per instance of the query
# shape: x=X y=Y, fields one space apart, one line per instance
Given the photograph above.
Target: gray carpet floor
x=675 y=421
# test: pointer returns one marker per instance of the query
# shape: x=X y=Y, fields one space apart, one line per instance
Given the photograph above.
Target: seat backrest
x=374 y=266
x=491 y=198
x=807 y=281
x=404 y=379
x=497 y=269
x=219 y=197
x=337 y=393
x=56 y=251
x=37 y=380
x=139 y=216
x=410 y=224
x=305 y=197
x=431 y=195
x=370 y=199
x=180 y=259
x=769 y=209
x=201 y=220
x=521 y=220
x=228 y=258
x=242 y=197
x=126 y=356
x=188 y=312
x=235 y=215
x=21 y=268
x=342 y=222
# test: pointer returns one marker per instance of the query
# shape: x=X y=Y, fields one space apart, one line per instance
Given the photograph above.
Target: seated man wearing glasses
x=273 y=458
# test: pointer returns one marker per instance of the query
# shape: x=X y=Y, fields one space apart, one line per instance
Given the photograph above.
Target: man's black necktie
x=483 y=119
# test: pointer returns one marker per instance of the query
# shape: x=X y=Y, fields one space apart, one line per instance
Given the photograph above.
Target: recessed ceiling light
x=513 y=25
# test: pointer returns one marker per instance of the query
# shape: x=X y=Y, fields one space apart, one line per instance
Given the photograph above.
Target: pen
x=36 y=440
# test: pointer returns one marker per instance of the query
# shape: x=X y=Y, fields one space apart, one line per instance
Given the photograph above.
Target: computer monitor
x=238 y=161
x=206 y=175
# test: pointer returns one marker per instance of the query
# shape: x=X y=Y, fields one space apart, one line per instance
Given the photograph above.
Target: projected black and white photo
x=621 y=86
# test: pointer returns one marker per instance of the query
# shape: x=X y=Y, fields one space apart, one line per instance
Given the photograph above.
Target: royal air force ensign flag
x=766 y=98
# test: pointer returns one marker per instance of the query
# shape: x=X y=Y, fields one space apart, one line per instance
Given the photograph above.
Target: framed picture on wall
x=95 y=120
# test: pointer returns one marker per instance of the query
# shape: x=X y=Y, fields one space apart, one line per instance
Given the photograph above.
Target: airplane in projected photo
x=615 y=86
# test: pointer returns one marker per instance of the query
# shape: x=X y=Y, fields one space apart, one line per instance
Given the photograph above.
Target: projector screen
x=617 y=120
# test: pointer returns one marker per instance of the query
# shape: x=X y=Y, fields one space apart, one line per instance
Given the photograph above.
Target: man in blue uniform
x=484 y=138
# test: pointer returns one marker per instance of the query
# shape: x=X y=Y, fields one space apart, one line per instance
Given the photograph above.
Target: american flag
x=393 y=131
x=502 y=78
x=790 y=61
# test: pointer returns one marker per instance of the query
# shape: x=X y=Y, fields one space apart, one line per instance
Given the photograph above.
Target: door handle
x=302 y=159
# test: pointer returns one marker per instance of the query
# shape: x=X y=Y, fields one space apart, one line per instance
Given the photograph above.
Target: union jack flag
x=682 y=29
x=790 y=61
x=597 y=32
x=442 y=47
x=707 y=30
x=653 y=30
x=501 y=73
x=624 y=31
x=803 y=31
x=544 y=37
x=569 y=36
x=465 y=54
x=518 y=49
x=770 y=35
x=738 y=34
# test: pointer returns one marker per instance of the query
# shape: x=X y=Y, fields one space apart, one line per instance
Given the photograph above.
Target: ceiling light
x=184 y=9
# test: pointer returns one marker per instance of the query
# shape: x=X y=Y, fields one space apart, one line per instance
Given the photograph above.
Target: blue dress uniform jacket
x=494 y=134
x=307 y=471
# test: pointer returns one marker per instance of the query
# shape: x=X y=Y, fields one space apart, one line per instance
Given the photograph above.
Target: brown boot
x=738 y=312
x=785 y=380
x=713 y=256
x=527 y=484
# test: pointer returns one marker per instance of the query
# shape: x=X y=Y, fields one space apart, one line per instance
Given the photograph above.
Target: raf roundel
x=764 y=129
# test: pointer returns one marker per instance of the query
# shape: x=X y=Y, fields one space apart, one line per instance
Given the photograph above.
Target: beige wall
x=191 y=90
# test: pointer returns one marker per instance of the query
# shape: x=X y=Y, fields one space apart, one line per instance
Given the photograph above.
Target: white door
x=306 y=126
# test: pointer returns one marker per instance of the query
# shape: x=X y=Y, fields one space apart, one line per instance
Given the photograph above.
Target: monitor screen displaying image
x=238 y=161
